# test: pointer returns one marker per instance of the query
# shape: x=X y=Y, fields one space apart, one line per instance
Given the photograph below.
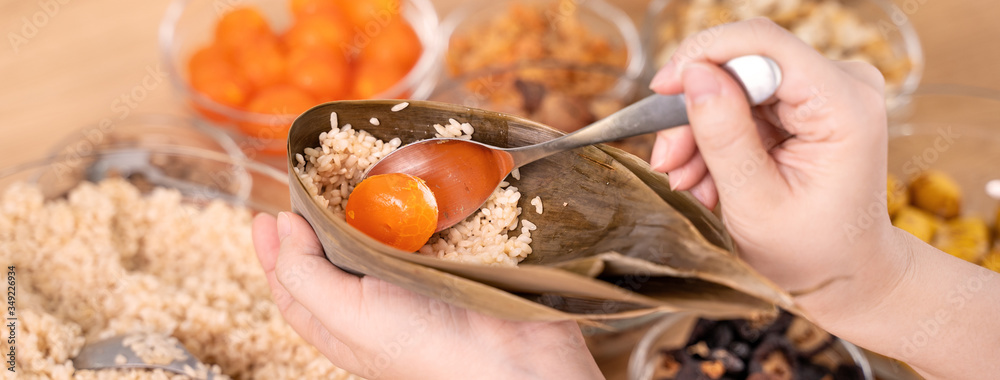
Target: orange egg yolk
x=396 y=209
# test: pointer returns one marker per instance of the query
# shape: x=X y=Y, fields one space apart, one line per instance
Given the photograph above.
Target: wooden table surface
x=64 y=72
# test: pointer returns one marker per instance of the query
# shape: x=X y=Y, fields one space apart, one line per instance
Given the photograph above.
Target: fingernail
x=661 y=77
x=675 y=178
x=700 y=84
x=659 y=156
x=284 y=225
x=696 y=193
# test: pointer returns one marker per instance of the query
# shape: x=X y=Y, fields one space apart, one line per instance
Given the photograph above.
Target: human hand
x=810 y=212
x=792 y=208
x=380 y=331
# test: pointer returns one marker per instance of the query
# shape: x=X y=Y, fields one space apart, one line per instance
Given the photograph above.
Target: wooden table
x=75 y=63
x=74 y=67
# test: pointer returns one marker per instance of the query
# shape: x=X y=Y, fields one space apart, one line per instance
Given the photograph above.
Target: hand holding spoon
x=463 y=173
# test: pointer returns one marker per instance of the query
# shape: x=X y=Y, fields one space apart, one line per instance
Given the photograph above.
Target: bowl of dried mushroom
x=683 y=347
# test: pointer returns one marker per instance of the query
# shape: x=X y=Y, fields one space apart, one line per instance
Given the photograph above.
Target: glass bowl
x=157 y=151
x=147 y=130
x=549 y=83
x=148 y=155
x=884 y=26
x=189 y=25
x=954 y=129
x=600 y=18
x=673 y=330
x=509 y=89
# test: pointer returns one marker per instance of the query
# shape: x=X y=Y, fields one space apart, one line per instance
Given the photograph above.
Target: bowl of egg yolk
x=249 y=68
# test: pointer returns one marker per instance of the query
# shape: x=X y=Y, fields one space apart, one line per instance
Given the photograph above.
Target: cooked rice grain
x=107 y=260
x=155 y=349
x=331 y=172
x=537 y=202
x=454 y=129
x=395 y=108
x=489 y=237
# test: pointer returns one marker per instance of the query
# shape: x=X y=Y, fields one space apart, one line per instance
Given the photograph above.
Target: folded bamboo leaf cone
x=624 y=245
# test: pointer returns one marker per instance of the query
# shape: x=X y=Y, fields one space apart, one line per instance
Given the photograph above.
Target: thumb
x=726 y=133
x=303 y=269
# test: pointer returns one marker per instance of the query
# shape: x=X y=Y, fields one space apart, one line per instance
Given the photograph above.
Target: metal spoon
x=463 y=173
x=114 y=353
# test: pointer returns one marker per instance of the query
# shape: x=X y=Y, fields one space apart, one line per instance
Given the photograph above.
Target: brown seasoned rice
x=157 y=349
x=332 y=170
x=108 y=260
x=200 y=371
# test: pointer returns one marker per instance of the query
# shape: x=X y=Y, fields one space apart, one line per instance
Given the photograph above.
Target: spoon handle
x=759 y=76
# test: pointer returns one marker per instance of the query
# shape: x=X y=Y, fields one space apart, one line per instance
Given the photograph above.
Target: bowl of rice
x=146 y=233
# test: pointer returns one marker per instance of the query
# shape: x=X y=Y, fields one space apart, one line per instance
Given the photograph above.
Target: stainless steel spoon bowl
x=463 y=173
x=117 y=353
